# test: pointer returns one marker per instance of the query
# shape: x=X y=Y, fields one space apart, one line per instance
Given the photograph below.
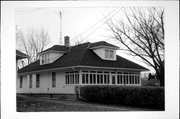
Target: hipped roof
x=82 y=55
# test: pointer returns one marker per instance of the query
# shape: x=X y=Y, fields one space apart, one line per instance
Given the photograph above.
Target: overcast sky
x=77 y=23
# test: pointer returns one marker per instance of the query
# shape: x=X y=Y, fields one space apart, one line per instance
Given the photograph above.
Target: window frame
x=109 y=54
x=72 y=78
x=30 y=81
x=53 y=79
x=37 y=80
x=21 y=82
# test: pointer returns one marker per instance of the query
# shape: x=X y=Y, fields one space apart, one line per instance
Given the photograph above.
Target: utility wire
x=106 y=20
x=93 y=25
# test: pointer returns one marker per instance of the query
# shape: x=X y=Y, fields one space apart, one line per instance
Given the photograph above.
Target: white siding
x=46 y=84
x=54 y=56
x=61 y=87
x=24 y=85
x=100 y=52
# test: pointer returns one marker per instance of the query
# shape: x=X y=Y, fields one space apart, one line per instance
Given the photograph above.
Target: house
x=61 y=68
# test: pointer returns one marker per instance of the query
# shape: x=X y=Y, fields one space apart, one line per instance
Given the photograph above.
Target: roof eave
x=52 y=51
x=103 y=46
x=82 y=66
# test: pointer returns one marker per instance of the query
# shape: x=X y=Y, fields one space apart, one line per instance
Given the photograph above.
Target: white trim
x=51 y=51
x=71 y=67
x=81 y=66
x=115 y=68
x=103 y=46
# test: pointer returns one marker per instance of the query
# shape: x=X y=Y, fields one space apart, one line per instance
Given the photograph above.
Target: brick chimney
x=66 y=41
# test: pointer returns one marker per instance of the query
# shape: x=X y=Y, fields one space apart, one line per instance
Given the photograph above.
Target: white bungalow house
x=61 y=68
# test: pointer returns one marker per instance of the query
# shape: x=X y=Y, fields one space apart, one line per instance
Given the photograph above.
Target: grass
x=45 y=104
x=31 y=104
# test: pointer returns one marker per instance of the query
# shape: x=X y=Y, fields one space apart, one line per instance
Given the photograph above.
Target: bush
x=151 y=97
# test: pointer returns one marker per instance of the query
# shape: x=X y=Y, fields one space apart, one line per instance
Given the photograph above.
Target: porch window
x=37 y=80
x=91 y=78
x=106 y=78
x=83 y=78
x=103 y=78
x=113 y=79
x=53 y=79
x=21 y=81
x=72 y=77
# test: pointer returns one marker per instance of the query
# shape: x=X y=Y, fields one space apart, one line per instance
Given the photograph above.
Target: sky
x=80 y=24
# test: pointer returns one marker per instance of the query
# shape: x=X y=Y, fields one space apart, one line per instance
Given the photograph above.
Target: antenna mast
x=60 y=40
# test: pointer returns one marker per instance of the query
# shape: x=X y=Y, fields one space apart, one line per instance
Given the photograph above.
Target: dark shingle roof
x=80 y=55
x=57 y=48
x=101 y=43
x=20 y=55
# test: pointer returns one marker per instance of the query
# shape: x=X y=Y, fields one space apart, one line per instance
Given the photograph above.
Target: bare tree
x=31 y=43
x=141 y=34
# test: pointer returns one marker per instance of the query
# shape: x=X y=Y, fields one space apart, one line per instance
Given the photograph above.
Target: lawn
x=46 y=104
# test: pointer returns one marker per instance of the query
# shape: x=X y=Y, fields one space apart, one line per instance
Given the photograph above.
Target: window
x=91 y=78
x=37 y=80
x=101 y=78
x=113 y=79
x=94 y=78
x=87 y=79
x=76 y=78
x=83 y=78
x=132 y=78
x=125 y=79
x=73 y=77
x=45 y=58
x=118 y=79
x=53 y=79
x=98 y=79
x=21 y=81
x=138 y=79
x=106 y=78
x=109 y=54
x=30 y=81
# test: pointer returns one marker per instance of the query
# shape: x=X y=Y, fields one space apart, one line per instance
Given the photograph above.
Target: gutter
x=81 y=66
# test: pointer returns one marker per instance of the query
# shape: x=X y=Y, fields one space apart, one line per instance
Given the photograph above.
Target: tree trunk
x=160 y=75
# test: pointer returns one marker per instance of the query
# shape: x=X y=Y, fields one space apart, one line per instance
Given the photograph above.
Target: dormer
x=52 y=54
x=104 y=50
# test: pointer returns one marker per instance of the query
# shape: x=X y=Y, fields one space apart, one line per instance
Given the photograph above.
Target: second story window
x=45 y=58
x=109 y=54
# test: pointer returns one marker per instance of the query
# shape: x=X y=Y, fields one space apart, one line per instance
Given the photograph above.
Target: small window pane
x=83 y=78
x=30 y=81
x=94 y=78
x=87 y=79
x=21 y=81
